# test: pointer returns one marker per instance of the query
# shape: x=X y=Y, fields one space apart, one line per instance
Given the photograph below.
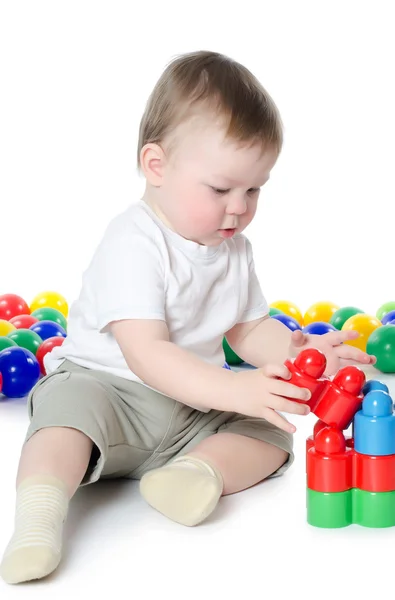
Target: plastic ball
x=388 y=317
x=381 y=344
x=392 y=322
x=51 y=300
x=48 y=329
x=23 y=321
x=318 y=328
x=230 y=356
x=5 y=342
x=320 y=311
x=275 y=311
x=6 y=327
x=26 y=338
x=384 y=309
x=50 y=314
x=226 y=366
x=46 y=347
x=20 y=371
x=12 y=305
x=364 y=325
x=290 y=322
x=343 y=314
x=288 y=308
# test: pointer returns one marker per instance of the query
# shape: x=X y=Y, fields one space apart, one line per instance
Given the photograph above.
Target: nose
x=236 y=205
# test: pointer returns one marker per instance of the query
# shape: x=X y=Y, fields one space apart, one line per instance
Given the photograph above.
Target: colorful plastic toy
x=381 y=344
x=23 y=321
x=50 y=299
x=318 y=328
x=365 y=325
x=343 y=314
x=290 y=309
x=25 y=338
x=5 y=342
x=349 y=479
x=46 y=347
x=320 y=311
x=50 y=314
x=20 y=371
x=388 y=317
x=6 y=327
x=290 y=322
x=384 y=309
x=48 y=329
x=12 y=305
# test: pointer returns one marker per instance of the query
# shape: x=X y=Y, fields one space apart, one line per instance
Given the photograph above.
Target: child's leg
x=52 y=465
x=188 y=489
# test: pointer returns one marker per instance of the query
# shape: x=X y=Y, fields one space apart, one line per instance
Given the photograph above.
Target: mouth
x=227 y=233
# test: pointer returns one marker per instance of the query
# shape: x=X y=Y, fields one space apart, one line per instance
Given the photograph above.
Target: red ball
x=46 y=347
x=312 y=362
x=23 y=321
x=350 y=379
x=12 y=305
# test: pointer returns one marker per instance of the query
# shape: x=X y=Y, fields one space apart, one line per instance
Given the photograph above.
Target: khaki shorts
x=133 y=428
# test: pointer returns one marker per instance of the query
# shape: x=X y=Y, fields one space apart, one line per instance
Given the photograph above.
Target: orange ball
x=320 y=311
x=365 y=325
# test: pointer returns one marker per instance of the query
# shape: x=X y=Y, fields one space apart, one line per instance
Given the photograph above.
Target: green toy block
x=373 y=509
x=329 y=510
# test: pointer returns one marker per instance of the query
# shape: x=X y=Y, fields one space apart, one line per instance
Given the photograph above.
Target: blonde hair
x=204 y=79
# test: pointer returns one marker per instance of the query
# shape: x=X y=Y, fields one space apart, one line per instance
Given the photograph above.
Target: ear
x=152 y=161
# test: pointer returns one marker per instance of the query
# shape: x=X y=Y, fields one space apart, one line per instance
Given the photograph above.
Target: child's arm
x=183 y=376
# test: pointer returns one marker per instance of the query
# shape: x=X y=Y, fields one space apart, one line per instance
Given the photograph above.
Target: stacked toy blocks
x=350 y=479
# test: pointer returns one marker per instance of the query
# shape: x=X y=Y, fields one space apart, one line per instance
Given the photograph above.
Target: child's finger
x=355 y=354
x=278 y=420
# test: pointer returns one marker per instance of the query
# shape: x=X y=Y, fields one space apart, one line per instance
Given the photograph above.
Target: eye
x=220 y=191
x=253 y=191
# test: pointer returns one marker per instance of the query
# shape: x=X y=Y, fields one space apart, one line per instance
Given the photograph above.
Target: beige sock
x=34 y=550
x=187 y=490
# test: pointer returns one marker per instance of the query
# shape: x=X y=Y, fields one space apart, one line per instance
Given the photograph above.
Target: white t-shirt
x=143 y=270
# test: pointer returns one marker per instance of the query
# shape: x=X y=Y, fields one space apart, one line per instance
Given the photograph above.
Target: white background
x=74 y=79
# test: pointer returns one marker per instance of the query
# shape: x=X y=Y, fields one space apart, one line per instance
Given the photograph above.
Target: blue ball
x=290 y=322
x=226 y=366
x=388 y=317
x=48 y=329
x=20 y=371
x=318 y=328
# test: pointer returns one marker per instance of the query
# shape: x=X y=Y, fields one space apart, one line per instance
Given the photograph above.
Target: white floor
x=257 y=545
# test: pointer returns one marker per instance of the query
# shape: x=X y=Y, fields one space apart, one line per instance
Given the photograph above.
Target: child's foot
x=187 y=490
x=34 y=550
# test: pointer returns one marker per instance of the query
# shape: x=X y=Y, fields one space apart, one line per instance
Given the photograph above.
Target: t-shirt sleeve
x=257 y=306
x=127 y=280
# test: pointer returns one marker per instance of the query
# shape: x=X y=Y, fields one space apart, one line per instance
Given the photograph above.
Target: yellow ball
x=288 y=308
x=6 y=327
x=320 y=311
x=365 y=325
x=51 y=300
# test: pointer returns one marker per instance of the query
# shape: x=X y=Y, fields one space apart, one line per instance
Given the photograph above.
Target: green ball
x=342 y=314
x=381 y=344
x=5 y=342
x=50 y=314
x=275 y=311
x=230 y=356
x=26 y=338
x=384 y=309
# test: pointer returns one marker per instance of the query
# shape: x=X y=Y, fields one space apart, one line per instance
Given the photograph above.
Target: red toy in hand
x=335 y=401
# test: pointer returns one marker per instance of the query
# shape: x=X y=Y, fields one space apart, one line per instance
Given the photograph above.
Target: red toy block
x=334 y=401
x=317 y=428
x=307 y=371
x=342 y=398
x=329 y=462
x=374 y=473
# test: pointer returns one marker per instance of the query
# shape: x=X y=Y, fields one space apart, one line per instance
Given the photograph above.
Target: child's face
x=211 y=185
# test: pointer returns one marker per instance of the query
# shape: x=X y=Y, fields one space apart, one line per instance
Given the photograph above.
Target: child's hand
x=331 y=344
x=261 y=394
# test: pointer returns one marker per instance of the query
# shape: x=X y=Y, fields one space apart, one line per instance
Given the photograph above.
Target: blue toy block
x=374 y=425
x=374 y=384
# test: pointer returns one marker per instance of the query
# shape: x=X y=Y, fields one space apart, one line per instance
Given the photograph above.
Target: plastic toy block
x=329 y=462
x=320 y=425
x=374 y=425
x=329 y=510
x=373 y=473
x=340 y=509
x=335 y=401
x=373 y=509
